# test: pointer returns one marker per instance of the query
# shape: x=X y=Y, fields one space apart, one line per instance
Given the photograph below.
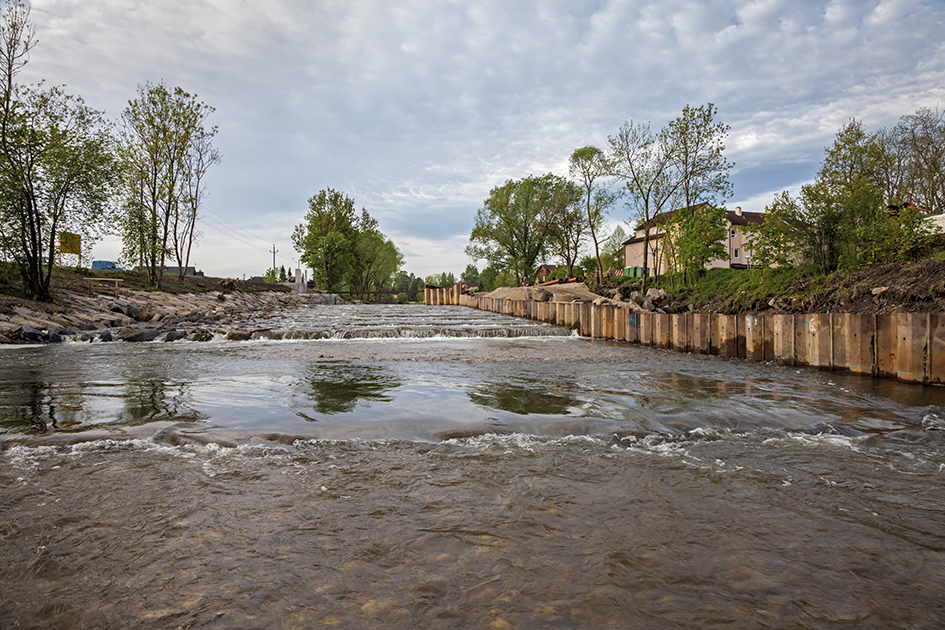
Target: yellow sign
x=70 y=243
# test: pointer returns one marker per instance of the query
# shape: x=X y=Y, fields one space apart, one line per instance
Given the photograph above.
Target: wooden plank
x=754 y=337
x=783 y=338
x=937 y=347
x=633 y=326
x=727 y=336
x=620 y=324
x=646 y=328
x=607 y=321
x=841 y=333
x=913 y=351
x=699 y=334
x=680 y=333
x=768 y=333
x=801 y=333
x=663 y=329
x=887 y=328
x=819 y=341
x=861 y=344
x=741 y=342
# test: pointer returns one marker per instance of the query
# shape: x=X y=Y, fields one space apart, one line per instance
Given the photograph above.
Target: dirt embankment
x=68 y=280
x=917 y=287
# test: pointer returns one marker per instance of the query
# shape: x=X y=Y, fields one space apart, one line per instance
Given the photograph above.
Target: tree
x=376 y=258
x=642 y=161
x=343 y=249
x=589 y=165
x=443 y=280
x=566 y=224
x=693 y=237
x=694 y=144
x=913 y=165
x=470 y=275
x=56 y=162
x=772 y=242
x=327 y=238
x=201 y=155
x=163 y=170
x=613 y=256
x=511 y=230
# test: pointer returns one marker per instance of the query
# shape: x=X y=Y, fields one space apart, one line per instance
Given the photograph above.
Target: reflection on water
x=525 y=399
x=338 y=386
x=155 y=401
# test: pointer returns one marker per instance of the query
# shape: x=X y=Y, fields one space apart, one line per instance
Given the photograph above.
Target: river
x=441 y=467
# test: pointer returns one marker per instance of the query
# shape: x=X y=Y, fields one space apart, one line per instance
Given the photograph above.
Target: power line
x=236 y=236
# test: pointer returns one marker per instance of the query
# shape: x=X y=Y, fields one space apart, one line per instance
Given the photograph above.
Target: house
x=736 y=241
x=188 y=271
x=544 y=271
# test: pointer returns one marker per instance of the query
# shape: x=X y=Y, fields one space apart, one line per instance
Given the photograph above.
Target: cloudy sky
x=417 y=108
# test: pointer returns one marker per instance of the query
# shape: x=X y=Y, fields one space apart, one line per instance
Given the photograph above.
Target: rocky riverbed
x=136 y=316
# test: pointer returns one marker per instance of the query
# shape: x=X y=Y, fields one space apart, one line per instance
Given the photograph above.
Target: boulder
x=174 y=335
x=134 y=335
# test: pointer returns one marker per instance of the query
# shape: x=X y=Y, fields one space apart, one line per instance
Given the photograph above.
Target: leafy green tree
x=56 y=162
x=444 y=280
x=487 y=279
x=566 y=223
x=162 y=184
x=470 y=275
x=511 y=229
x=407 y=286
x=773 y=242
x=327 y=238
x=376 y=258
x=590 y=165
x=271 y=276
x=695 y=236
x=613 y=256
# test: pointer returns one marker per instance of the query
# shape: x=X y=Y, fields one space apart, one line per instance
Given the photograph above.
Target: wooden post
x=633 y=326
x=680 y=333
x=887 y=329
x=754 y=326
x=913 y=350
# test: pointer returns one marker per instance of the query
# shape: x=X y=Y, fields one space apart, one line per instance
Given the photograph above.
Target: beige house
x=739 y=255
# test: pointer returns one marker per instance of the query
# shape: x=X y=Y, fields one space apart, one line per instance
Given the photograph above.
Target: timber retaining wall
x=906 y=346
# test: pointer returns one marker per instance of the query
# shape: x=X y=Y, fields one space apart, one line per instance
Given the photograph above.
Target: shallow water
x=512 y=479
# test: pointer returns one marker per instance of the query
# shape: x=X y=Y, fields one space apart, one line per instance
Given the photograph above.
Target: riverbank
x=913 y=287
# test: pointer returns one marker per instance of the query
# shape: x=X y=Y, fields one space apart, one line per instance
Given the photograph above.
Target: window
x=733 y=234
x=736 y=252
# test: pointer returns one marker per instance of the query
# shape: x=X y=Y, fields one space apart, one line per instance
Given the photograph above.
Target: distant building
x=545 y=271
x=739 y=254
x=188 y=271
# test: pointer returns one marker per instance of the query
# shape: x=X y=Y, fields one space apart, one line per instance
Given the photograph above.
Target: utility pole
x=274 y=250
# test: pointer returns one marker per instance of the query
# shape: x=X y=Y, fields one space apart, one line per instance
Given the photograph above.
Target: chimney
x=738 y=211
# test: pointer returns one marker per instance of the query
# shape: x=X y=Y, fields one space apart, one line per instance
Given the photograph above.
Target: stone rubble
x=138 y=316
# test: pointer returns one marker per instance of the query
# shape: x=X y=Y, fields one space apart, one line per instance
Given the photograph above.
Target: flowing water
x=442 y=467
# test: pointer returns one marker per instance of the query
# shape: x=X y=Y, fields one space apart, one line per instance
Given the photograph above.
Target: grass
x=741 y=290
